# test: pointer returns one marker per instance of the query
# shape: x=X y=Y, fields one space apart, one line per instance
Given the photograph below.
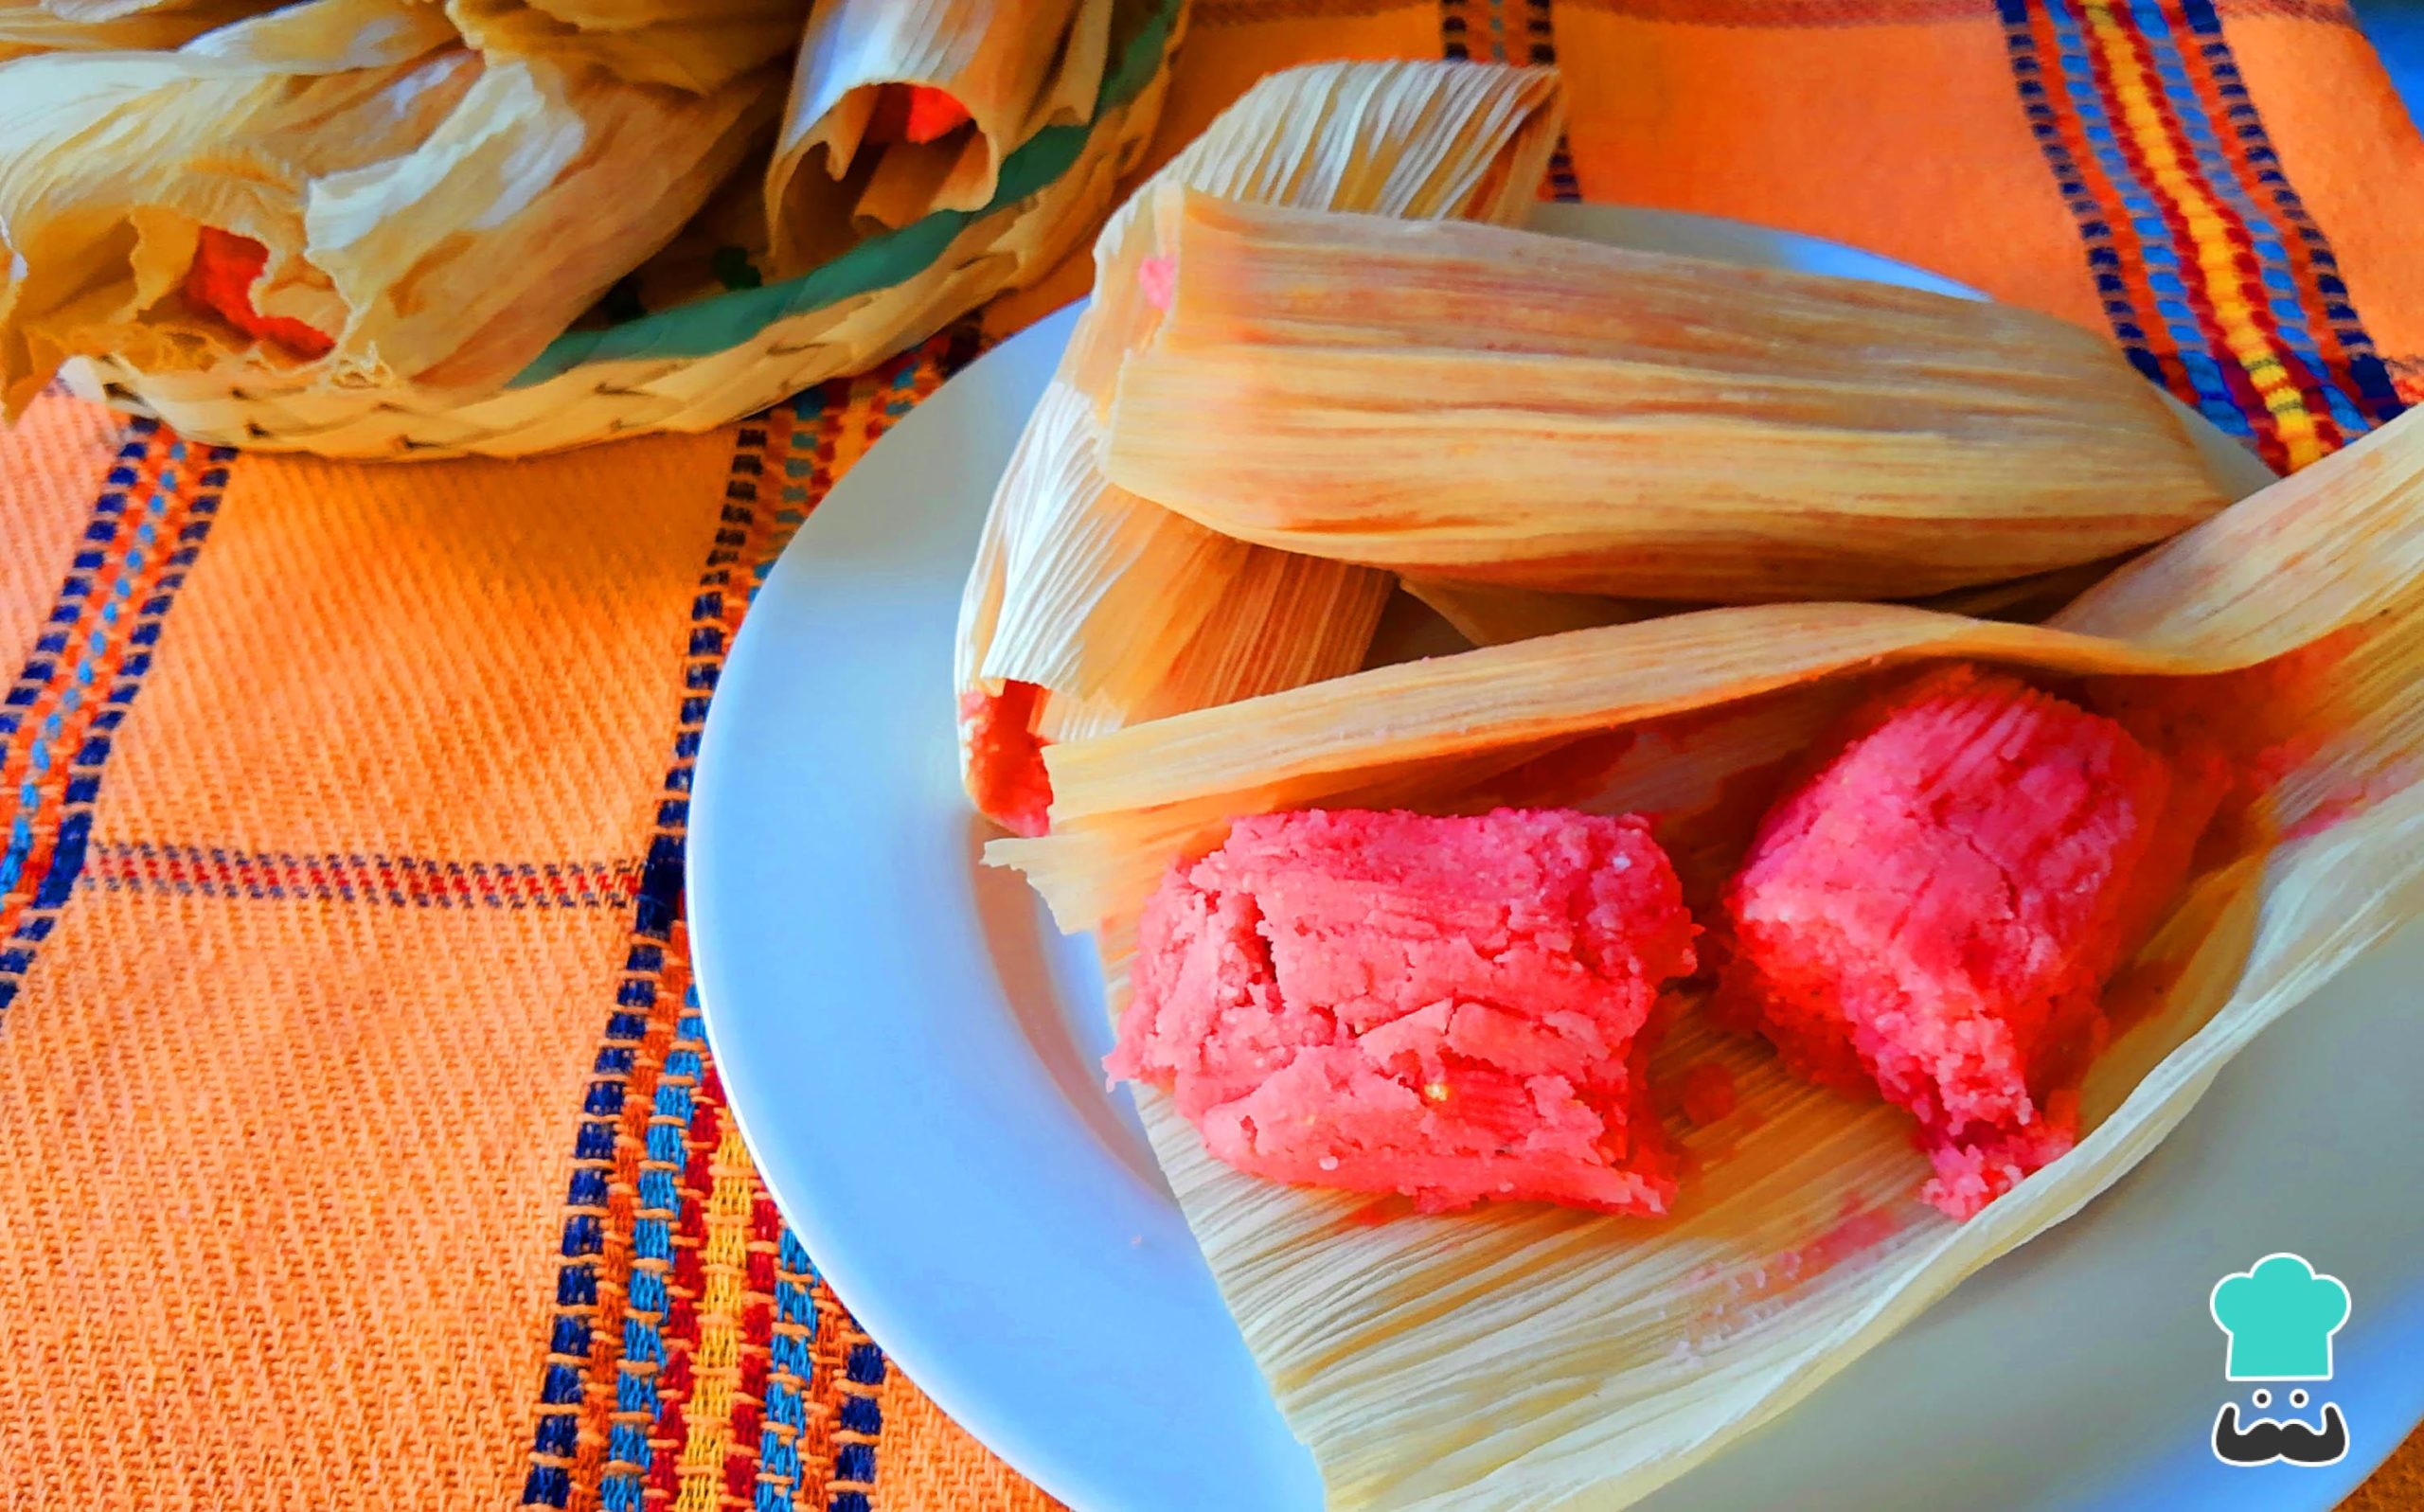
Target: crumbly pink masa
x=1448 y=1008
x=1934 y=913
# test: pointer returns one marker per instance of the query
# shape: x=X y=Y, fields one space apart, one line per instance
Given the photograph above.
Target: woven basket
x=647 y=376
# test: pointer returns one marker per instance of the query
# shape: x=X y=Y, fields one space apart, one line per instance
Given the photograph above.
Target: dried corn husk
x=542 y=188
x=1016 y=67
x=1121 y=611
x=1616 y=1354
x=2034 y=597
x=111 y=25
x=1344 y=385
x=682 y=45
x=440 y=217
x=1493 y=614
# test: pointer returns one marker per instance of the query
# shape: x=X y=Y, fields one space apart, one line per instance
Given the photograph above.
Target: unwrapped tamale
x=1617 y=1353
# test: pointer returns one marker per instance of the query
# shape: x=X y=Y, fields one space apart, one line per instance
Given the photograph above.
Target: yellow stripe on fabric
x=2208 y=231
x=723 y=1262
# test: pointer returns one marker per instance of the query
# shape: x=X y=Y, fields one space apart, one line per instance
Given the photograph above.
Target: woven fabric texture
x=365 y=1150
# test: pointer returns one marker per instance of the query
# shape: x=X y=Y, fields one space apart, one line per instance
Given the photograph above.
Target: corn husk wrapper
x=29 y=26
x=1122 y=611
x=1016 y=67
x=1493 y=614
x=459 y=262
x=1343 y=385
x=696 y=48
x=721 y=248
x=2036 y=596
x=440 y=217
x=1530 y=1357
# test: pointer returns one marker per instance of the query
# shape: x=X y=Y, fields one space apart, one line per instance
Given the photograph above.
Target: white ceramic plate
x=913 y=1053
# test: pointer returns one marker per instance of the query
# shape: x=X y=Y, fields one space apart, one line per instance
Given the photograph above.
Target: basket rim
x=705 y=327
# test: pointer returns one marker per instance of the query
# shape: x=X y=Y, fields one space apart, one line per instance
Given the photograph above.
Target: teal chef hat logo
x=2280 y=1316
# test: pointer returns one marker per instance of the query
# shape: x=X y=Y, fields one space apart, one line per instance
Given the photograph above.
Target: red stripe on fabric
x=2195 y=292
x=599 y=1397
x=687 y=1282
x=2331 y=336
x=2120 y=238
x=34 y=729
x=654 y=982
x=2249 y=278
x=751 y=532
x=748 y=1412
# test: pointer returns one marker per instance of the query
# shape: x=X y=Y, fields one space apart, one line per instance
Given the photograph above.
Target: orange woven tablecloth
x=363 y=1151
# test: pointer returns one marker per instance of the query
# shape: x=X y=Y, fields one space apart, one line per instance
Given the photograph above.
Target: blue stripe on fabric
x=657 y=909
x=2273 y=257
x=2365 y=367
x=81 y=586
x=2035 y=105
x=2157 y=250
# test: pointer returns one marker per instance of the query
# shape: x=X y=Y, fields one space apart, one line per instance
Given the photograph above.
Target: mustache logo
x=2266 y=1440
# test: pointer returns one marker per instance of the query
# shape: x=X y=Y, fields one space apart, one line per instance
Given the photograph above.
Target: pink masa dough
x=1448 y=1008
x=1933 y=917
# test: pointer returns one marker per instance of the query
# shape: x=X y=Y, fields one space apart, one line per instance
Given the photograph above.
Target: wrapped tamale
x=898 y=110
x=1088 y=609
x=1498 y=406
x=416 y=211
x=1616 y=1352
